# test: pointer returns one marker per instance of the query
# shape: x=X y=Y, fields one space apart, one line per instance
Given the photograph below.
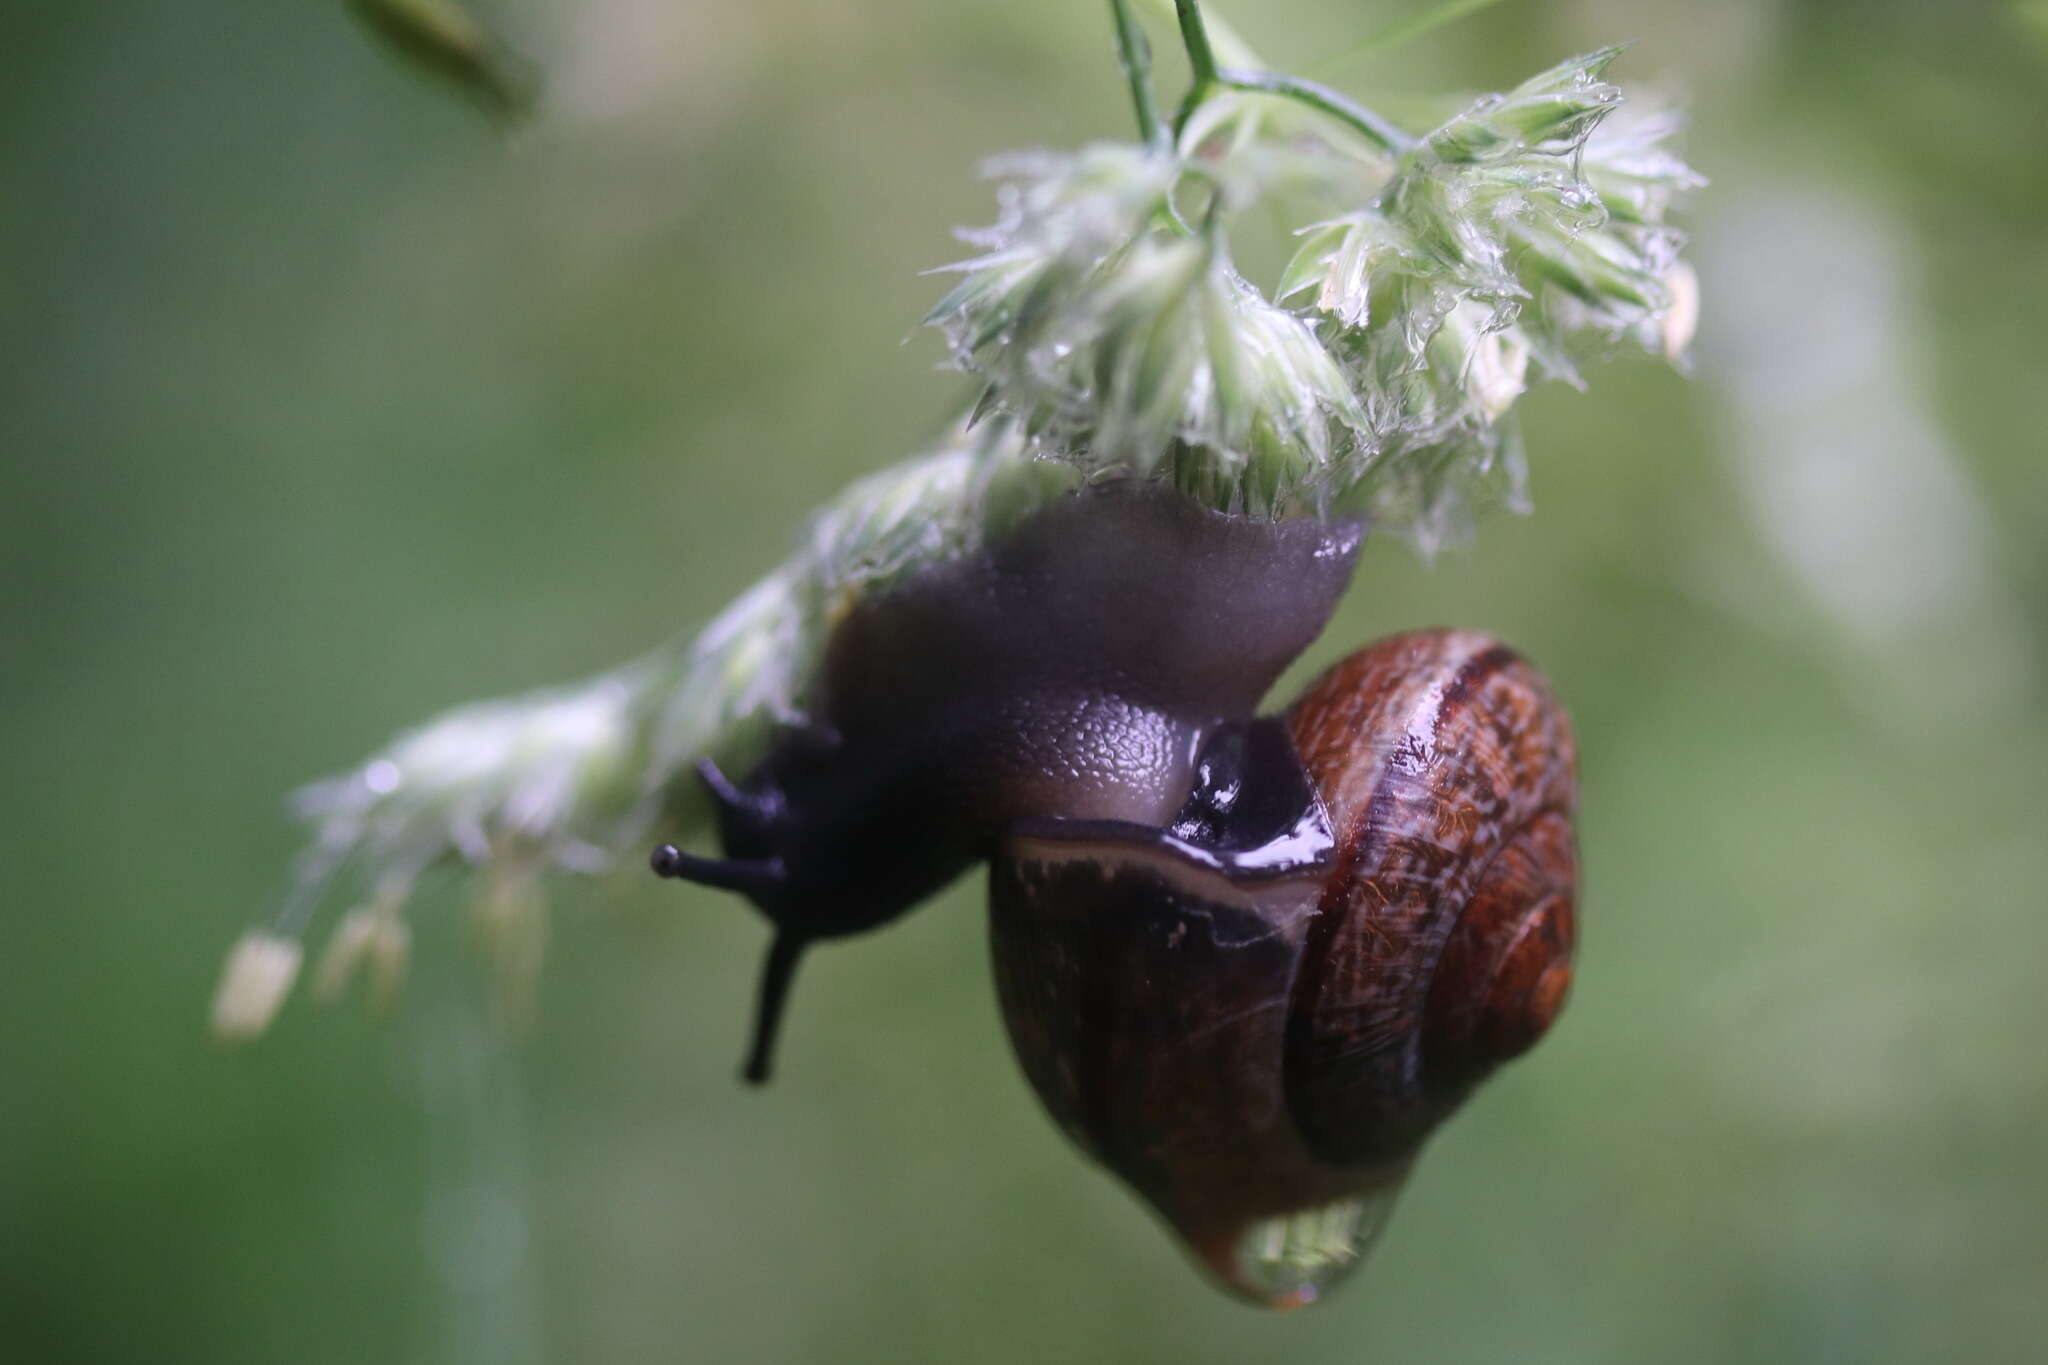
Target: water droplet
x=1290 y=1260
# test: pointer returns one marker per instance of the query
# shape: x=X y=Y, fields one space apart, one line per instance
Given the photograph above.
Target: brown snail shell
x=1260 y=1039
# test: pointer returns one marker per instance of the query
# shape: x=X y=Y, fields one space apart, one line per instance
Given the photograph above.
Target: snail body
x=1074 y=667
x=1248 y=963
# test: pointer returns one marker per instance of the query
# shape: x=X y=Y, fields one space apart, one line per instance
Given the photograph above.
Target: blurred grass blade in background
x=446 y=41
x=1404 y=28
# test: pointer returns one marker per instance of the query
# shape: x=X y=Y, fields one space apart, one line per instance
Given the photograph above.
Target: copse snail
x=1248 y=963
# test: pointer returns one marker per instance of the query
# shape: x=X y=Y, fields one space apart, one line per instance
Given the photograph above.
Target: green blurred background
x=323 y=406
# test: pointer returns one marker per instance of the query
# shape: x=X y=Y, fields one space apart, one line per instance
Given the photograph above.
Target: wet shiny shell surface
x=1442 y=943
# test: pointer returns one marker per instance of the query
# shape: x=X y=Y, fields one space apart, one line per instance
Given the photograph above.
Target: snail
x=1249 y=963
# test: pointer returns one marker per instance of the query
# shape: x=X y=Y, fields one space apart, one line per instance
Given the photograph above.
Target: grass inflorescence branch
x=1194 y=36
x=1105 y=339
x=1134 y=54
x=1380 y=131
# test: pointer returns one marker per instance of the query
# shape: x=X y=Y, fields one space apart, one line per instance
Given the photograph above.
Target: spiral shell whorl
x=1442 y=943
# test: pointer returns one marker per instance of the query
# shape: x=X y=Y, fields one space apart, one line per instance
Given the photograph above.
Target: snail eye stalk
x=778 y=969
x=757 y=878
x=755 y=810
x=748 y=876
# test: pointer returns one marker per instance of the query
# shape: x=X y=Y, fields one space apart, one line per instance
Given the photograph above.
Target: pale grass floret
x=374 y=938
x=1682 y=313
x=253 y=984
